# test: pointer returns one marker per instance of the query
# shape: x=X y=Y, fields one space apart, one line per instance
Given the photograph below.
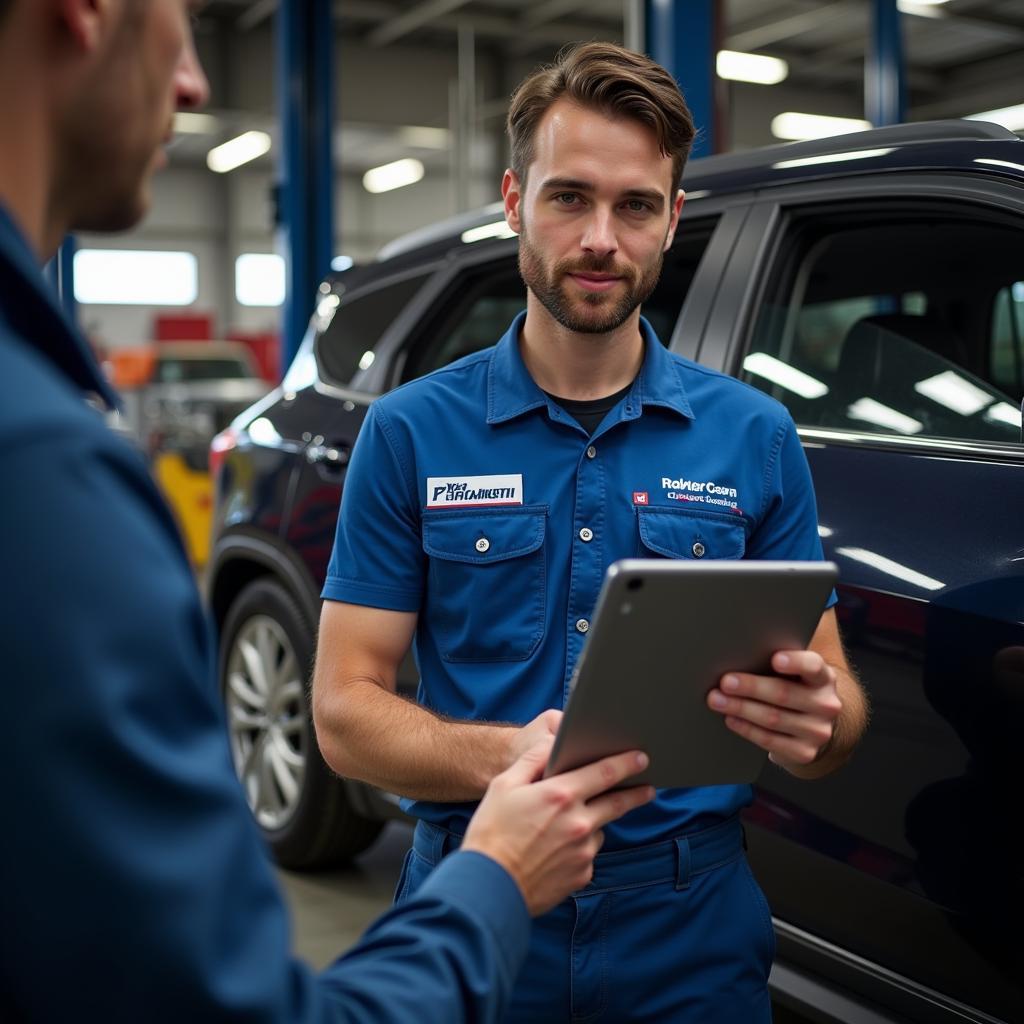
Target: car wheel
x=266 y=658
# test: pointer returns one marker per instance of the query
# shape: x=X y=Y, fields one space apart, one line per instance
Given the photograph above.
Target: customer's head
x=618 y=83
x=101 y=82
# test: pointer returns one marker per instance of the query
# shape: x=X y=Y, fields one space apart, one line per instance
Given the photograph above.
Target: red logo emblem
x=640 y=498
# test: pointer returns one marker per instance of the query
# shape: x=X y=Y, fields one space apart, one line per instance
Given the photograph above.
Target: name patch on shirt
x=472 y=491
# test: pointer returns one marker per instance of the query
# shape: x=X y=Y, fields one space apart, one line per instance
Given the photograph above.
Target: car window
x=905 y=325
x=482 y=304
x=347 y=343
x=1008 y=339
x=173 y=370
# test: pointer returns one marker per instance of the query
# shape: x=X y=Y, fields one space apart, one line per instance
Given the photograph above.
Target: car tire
x=266 y=660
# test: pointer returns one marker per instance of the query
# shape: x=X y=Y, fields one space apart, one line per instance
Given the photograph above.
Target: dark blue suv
x=874 y=283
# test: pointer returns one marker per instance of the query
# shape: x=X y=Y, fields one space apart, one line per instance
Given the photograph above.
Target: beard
x=590 y=313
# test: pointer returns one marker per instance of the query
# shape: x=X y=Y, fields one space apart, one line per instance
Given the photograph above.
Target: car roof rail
x=442 y=231
x=952 y=130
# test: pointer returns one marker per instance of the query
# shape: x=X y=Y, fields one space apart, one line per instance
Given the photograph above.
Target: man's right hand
x=545 y=834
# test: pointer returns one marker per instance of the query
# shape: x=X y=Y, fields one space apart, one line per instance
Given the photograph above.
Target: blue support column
x=884 y=69
x=305 y=84
x=683 y=36
x=61 y=271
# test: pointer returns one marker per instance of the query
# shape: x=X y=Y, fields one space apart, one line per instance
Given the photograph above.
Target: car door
x=887 y=314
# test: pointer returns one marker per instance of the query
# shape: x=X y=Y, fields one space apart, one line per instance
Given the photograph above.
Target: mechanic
x=135 y=883
x=483 y=505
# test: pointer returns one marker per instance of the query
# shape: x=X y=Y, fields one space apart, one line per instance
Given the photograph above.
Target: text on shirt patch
x=706 y=491
x=472 y=491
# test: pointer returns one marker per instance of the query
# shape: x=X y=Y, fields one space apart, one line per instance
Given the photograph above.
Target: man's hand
x=545 y=834
x=792 y=715
x=541 y=729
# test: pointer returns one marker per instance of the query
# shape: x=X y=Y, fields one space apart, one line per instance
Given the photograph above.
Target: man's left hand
x=792 y=715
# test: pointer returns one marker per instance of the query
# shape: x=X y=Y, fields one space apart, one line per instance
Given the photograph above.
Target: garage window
x=896 y=323
x=121 y=277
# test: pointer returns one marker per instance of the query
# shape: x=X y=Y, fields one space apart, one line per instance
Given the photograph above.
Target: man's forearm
x=369 y=733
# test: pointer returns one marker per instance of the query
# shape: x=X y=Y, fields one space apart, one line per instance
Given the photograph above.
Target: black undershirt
x=589 y=414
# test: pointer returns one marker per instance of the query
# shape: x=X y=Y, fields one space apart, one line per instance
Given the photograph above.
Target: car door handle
x=327 y=455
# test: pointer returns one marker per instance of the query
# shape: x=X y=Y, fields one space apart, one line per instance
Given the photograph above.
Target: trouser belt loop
x=682 y=863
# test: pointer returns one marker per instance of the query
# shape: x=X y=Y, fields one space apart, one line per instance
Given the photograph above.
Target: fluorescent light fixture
x=238 y=151
x=421 y=137
x=499 y=229
x=954 y=392
x=366 y=360
x=259 y=279
x=922 y=8
x=750 y=67
x=832 y=158
x=870 y=411
x=1008 y=117
x=784 y=375
x=796 y=126
x=699 y=193
x=1003 y=412
x=825 y=531
x=196 y=124
x=340 y=263
x=120 y=277
x=891 y=568
x=394 y=175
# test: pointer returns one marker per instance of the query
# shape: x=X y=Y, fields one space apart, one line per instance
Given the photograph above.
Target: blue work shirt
x=474 y=499
x=136 y=886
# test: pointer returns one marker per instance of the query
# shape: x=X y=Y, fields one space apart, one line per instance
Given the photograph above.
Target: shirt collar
x=30 y=308
x=511 y=391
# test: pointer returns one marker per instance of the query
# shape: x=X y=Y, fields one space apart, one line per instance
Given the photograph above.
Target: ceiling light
x=750 y=67
x=870 y=411
x=784 y=375
x=236 y=152
x=1008 y=117
x=196 y=124
x=393 y=175
x=795 y=126
x=954 y=392
x=499 y=229
x=891 y=568
x=922 y=8
x=424 y=138
x=832 y=158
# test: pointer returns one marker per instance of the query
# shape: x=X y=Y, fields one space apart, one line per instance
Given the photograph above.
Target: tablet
x=663 y=633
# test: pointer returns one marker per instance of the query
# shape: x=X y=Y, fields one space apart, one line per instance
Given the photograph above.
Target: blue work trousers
x=678 y=931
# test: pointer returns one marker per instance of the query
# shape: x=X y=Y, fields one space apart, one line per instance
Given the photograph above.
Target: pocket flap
x=484 y=536
x=676 y=533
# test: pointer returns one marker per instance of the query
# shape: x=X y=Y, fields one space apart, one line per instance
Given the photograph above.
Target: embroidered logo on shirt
x=705 y=491
x=640 y=498
x=473 y=491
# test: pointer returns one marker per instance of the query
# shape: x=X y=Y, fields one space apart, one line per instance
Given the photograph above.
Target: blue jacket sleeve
x=136 y=886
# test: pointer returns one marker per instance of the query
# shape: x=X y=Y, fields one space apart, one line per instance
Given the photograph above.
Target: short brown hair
x=609 y=78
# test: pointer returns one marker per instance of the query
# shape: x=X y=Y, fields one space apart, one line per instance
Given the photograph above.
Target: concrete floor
x=331 y=909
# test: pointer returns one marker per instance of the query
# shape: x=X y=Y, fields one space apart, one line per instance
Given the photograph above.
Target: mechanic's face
x=595 y=217
x=116 y=130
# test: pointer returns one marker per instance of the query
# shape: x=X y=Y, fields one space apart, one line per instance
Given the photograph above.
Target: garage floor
x=331 y=909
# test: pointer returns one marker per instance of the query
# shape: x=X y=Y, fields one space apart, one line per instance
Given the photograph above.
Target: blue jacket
x=135 y=885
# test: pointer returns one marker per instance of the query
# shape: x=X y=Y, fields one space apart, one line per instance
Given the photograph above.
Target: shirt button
x=698 y=550
x=591 y=452
x=582 y=625
x=482 y=545
x=586 y=535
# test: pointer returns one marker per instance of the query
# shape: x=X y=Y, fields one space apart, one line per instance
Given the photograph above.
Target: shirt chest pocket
x=486 y=599
x=682 y=533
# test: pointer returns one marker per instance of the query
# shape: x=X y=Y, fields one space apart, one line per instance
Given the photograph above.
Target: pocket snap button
x=698 y=550
x=482 y=545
